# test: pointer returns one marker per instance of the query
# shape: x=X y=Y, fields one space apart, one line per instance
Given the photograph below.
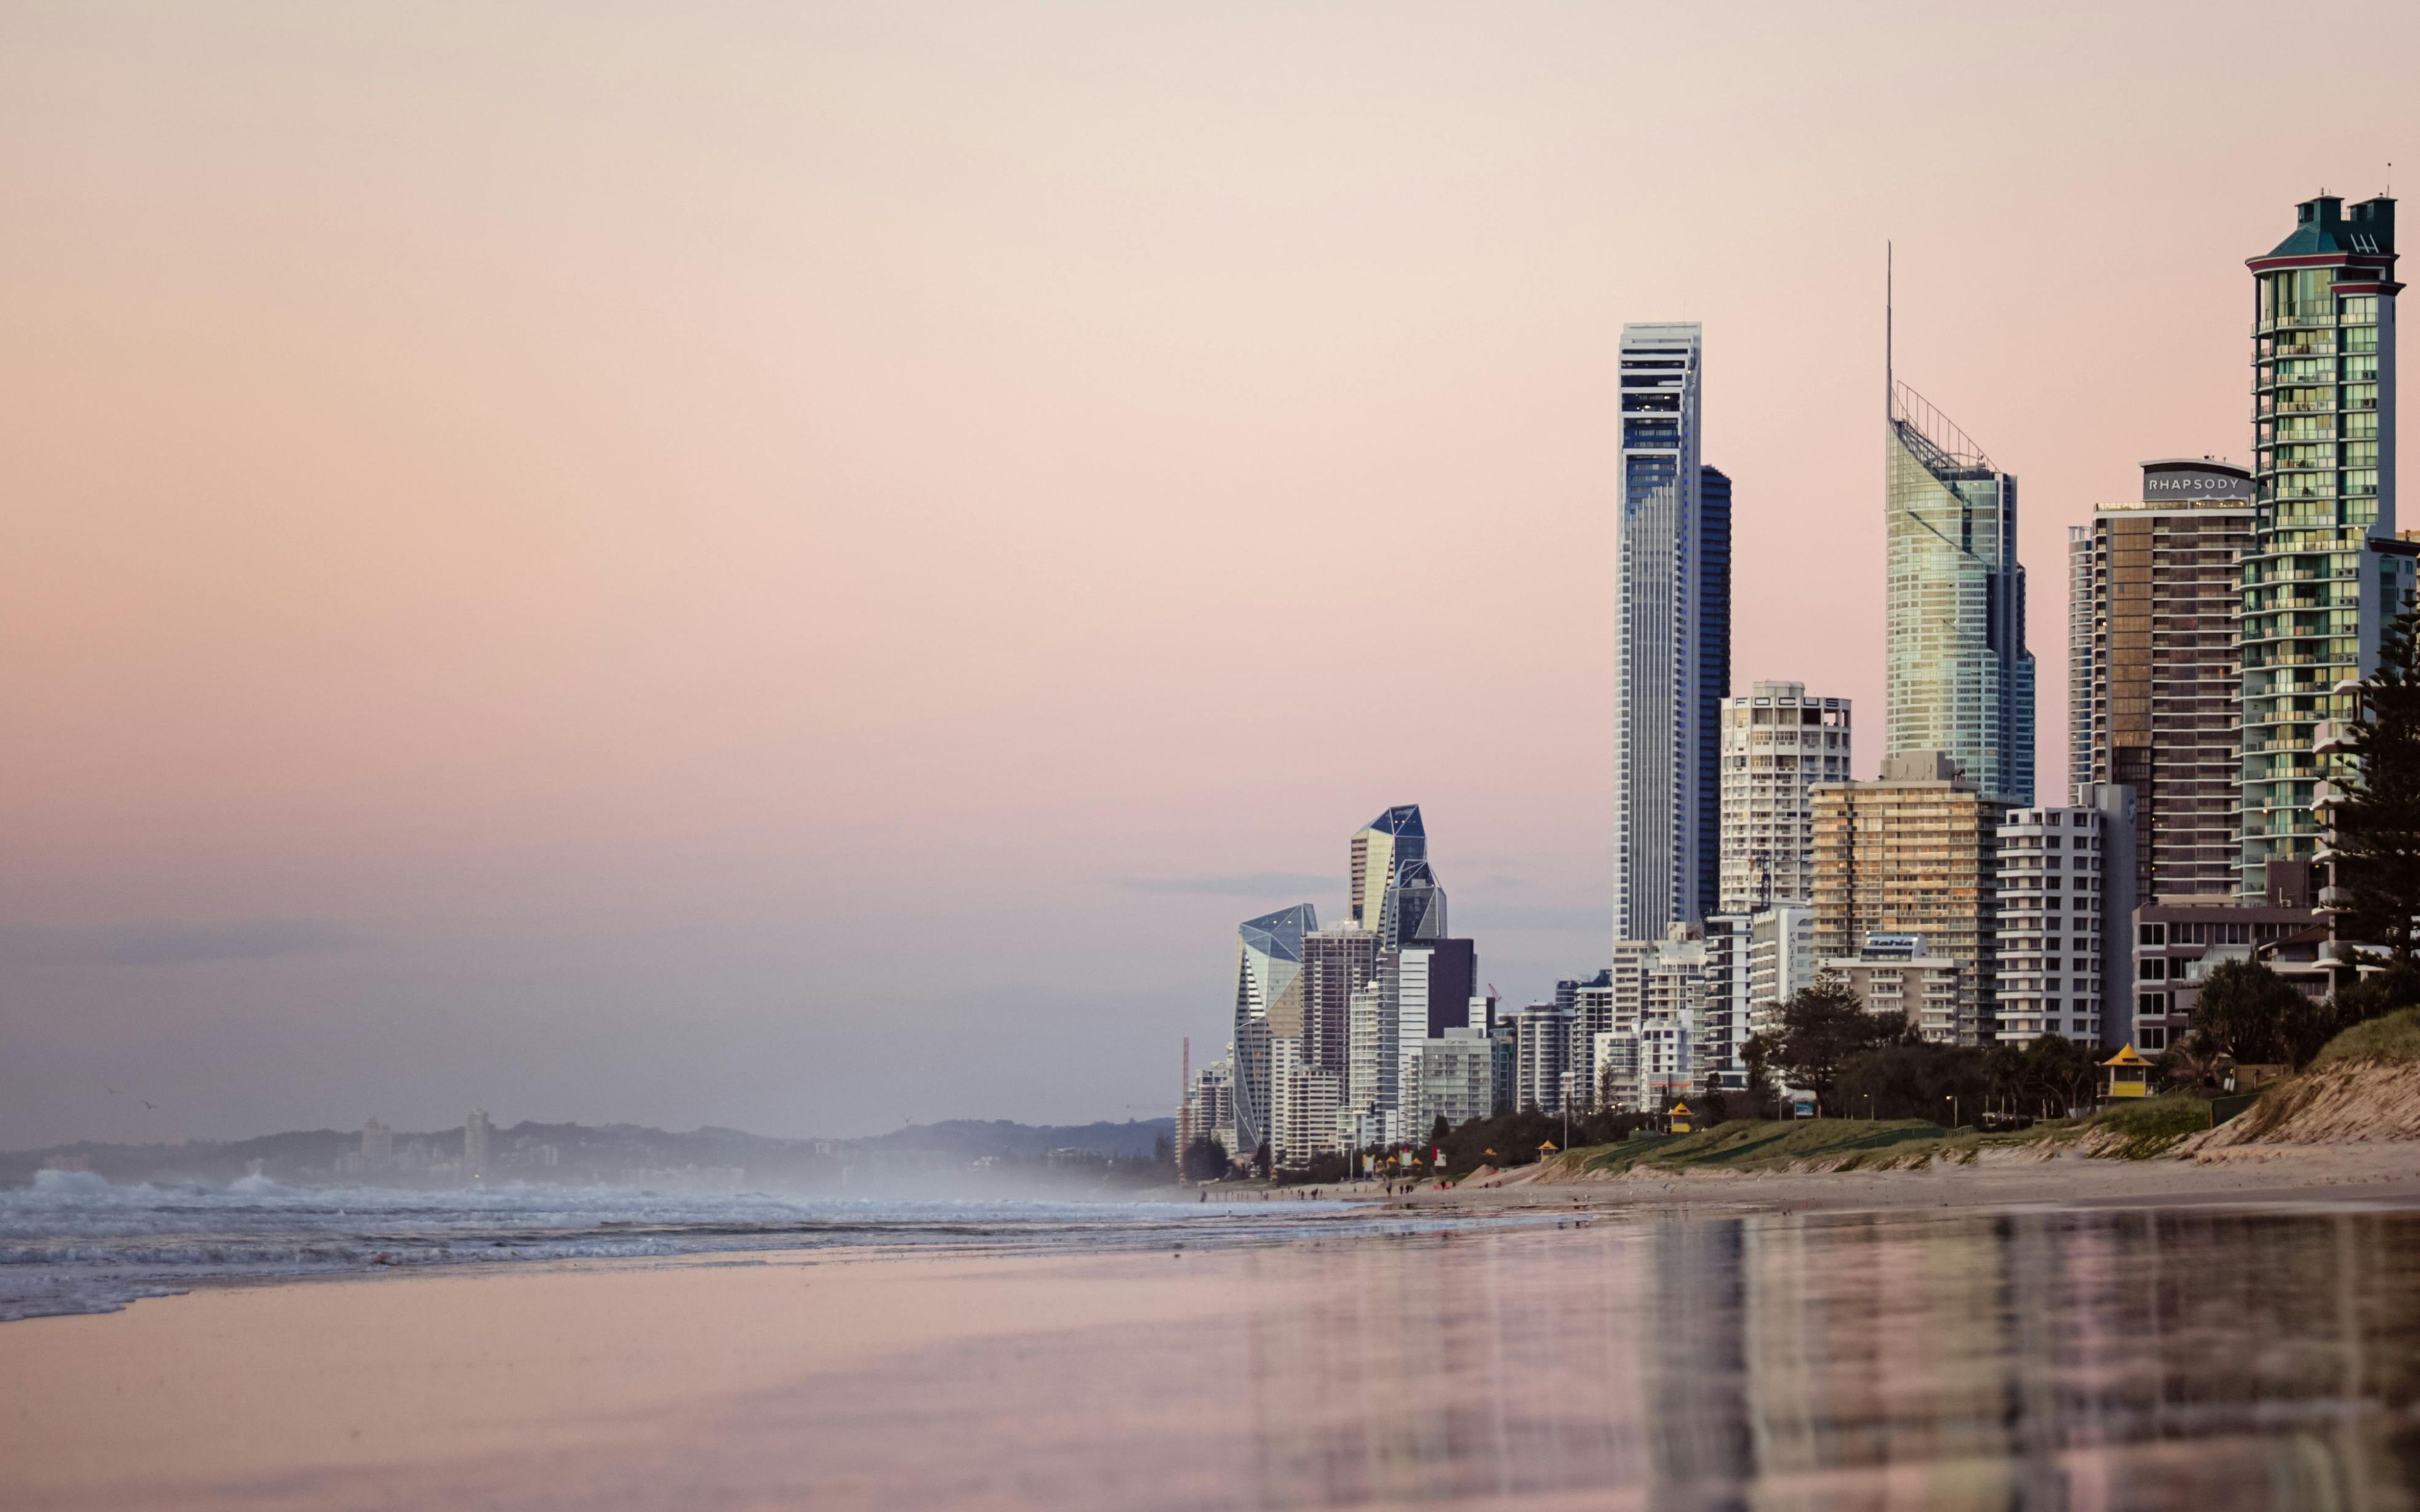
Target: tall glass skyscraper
x=1269 y=1005
x=2325 y=573
x=1959 y=680
x=1379 y=847
x=1672 y=640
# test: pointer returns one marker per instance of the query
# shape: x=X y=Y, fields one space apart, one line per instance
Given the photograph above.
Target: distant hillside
x=611 y=1153
x=973 y=1137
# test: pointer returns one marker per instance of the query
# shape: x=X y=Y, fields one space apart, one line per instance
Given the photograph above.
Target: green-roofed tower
x=2325 y=573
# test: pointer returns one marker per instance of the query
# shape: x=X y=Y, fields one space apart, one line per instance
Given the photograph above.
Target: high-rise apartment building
x=1914 y=853
x=2326 y=575
x=2079 y=656
x=1268 y=1006
x=1672 y=629
x=2067 y=907
x=1303 y=1101
x=2155 y=699
x=1670 y=1009
x=1336 y=962
x=1780 y=962
x=1726 y=1015
x=1777 y=745
x=1210 y=1105
x=1958 y=676
x=1542 y=1055
x=1452 y=1079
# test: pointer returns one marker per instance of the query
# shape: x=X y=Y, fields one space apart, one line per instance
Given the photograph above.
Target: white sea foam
x=73 y=1242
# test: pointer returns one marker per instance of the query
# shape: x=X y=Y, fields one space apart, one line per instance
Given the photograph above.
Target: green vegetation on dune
x=1845 y=1143
x=2154 y=1126
x=2390 y=1040
x=2134 y=1131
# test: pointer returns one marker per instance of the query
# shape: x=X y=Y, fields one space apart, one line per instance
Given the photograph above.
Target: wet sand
x=356 y=1392
x=1666 y=1356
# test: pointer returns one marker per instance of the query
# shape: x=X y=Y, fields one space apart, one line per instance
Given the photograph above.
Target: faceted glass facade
x=2316 y=592
x=1269 y=1005
x=1959 y=678
x=1379 y=847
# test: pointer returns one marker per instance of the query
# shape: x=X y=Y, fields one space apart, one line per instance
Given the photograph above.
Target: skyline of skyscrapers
x=1672 y=638
x=2217 y=627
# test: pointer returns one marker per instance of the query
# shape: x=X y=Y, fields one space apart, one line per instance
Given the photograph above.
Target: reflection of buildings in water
x=2076 y=1360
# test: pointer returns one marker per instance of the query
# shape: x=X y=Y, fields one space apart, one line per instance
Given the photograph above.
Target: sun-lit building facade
x=1957 y=677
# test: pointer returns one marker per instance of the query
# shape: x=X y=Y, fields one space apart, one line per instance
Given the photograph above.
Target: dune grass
x=1845 y=1143
x=2125 y=1131
x=2394 y=1039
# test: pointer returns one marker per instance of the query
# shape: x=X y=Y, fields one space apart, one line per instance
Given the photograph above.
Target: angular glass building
x=1379 y=847
x=1269 y=1005
x=2325 y=574
x=1672 y=640
x=1958 y=679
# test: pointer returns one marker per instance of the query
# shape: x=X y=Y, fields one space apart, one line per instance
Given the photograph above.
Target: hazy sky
x=799 y=565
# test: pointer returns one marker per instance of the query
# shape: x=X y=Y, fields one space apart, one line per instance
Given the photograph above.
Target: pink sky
x=790 y=565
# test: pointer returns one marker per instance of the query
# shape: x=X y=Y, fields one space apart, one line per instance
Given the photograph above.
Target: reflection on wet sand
x=2190 y=1358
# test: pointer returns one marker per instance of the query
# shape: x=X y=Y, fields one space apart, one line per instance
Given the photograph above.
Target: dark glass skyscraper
x=1714 y=675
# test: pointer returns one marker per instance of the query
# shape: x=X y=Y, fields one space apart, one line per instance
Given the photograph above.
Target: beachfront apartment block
x=1914 y=853
x=2066 y=899
x=1777 y=743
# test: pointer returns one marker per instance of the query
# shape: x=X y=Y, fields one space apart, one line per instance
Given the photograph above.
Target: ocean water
x=73 y=1243
x=2091 y=1360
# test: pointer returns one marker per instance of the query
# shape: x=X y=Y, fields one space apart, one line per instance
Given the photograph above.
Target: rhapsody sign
x=2188 y=480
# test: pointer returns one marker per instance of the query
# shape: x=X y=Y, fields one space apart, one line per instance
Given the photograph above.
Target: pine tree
x=2378 y=823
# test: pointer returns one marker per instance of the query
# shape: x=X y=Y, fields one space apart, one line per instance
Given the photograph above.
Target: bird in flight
x=111 y=1090
x=148 y=1104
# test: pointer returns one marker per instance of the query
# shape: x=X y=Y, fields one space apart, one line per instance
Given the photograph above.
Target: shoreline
x=643 y=1382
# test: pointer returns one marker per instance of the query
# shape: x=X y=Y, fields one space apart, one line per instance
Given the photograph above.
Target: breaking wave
x=74 y=1243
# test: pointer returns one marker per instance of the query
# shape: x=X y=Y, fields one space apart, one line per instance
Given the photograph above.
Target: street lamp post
x=1952 y=1101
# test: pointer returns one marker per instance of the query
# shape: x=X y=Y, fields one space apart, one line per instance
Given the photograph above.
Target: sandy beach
x=1819 y=1340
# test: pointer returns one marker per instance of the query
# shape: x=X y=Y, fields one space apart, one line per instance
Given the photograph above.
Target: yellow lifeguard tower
x=1679 y=1119
x=2125 y=1074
